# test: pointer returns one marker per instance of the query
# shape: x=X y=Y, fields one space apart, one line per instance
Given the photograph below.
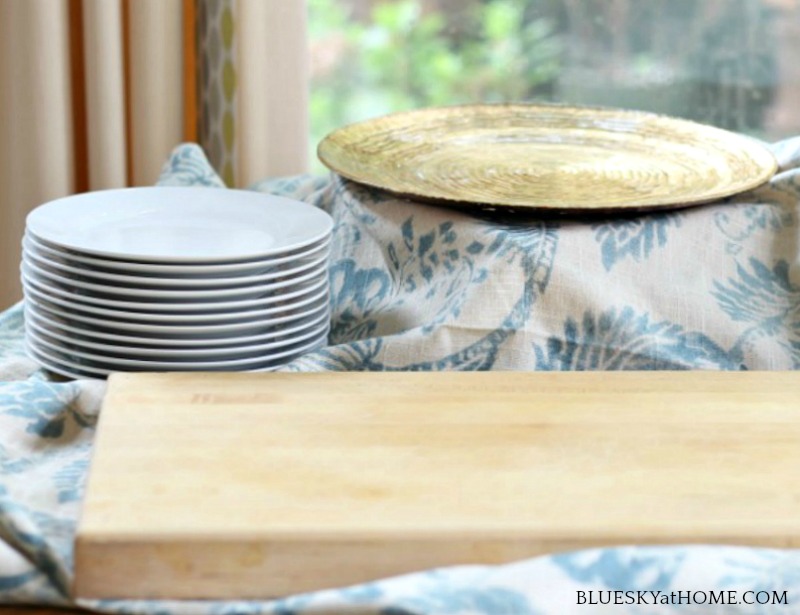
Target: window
x=730 y=63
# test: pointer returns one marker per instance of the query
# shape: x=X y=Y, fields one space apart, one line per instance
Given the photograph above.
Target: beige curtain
x=68 y=125
x=272 y=99
x=94 y=94
x=36 y=137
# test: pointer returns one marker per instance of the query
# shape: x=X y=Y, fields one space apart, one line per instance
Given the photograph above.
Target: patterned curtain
x=254 y=87
x=217 y=92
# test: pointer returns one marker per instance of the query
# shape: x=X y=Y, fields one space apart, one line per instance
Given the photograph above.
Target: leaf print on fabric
x=69 y=479
x=357 y=296
x=26 y=530
x=12 y=331
x=355 y=356
x=446 y=600
x=293 y=605
x=765 y=569
x=762 y=571
x=353 y=220
x=300 y=187
x=740 y=223
x=768 y=299
x=15 y=581
x=634 y=237
x=29 y=587
x=625 y=340
x=770 y=208
x=47 y=408
x=624 y=568
x=60 y=533
x=152 y=607
x=428 y=266
x=353 y=202
x=188 y=166
x=10 y=464
x=532 y=249
x=752 y=218
x=760 y=295
x=362 y=594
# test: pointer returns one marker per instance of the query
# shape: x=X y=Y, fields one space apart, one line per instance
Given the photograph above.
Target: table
x=417 y=287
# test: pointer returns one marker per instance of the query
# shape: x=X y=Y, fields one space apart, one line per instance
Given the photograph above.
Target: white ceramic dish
x=219 y=308
x=118 y=317
x=107 y=362
x=64 y=367
x=178 y=224
x=188 y=271
x=156 y=295
x=63 y=267
x=263 y=350
x=165 y=337
x=56 y=363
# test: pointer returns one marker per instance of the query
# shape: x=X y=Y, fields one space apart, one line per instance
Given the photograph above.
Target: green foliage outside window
x=713 y=61
x=403 y=57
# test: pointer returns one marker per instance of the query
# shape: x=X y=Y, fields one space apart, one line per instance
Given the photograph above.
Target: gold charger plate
x=549 y=157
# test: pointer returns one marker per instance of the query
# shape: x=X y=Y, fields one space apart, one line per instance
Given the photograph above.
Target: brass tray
x=549 y=157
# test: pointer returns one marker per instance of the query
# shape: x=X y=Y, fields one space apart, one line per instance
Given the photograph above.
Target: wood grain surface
x=548 y=157
x=258 y=485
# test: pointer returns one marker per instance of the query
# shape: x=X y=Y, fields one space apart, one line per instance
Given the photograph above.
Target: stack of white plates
x=174 y=279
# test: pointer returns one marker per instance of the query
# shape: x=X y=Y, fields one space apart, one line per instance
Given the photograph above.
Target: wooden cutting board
x=260 y=485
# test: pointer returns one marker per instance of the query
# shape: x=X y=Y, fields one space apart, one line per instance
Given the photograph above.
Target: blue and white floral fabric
x=417 y=287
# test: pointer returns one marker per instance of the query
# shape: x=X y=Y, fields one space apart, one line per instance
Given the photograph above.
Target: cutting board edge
x=192 y=570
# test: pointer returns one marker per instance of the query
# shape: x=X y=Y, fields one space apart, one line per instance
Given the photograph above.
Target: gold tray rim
x=766 y=173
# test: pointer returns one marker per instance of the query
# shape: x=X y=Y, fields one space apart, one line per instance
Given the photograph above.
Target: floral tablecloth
x=417 y=287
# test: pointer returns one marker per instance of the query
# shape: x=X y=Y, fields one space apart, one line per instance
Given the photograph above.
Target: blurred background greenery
x=731 y=63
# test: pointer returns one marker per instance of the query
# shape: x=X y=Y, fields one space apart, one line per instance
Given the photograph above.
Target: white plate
x=221 y=309
x=191 y=272
x=165 y=336
x=55 y=362
x=91 y=359
x=262 y=350
x=118 y=317
x=62 y=267
x=64 y=367
x=259 y=324
x=157 y=295
x=179 y=224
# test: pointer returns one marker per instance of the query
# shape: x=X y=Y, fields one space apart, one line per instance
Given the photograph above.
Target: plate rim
x=461 y=203
x=185 y=294
x=182 y=353
x=220 y=307
x=49 y=361
x=316 y=316
x=52 y=365
x=177 y=365
x=110 y=262
x=187 y=269
x=190 y=283
x=34 y=220
x=226 y=318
